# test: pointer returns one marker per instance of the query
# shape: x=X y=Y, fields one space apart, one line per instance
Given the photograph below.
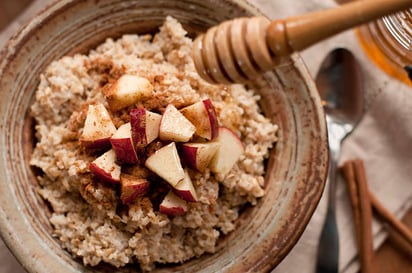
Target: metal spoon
x=340 y=87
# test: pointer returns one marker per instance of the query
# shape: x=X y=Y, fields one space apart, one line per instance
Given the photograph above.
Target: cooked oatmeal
x=88 y=217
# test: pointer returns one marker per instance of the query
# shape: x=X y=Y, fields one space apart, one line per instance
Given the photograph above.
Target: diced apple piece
x=229 y=152
x=127 y=90
x=132 y=187
x=165 y=162
x=199 y=155
x=172 y=205
x=106 y=168
x=123 y=146
x=174 y=126
x=203 y=116
x=98 y=128
x=145 y=126
x=185 y=189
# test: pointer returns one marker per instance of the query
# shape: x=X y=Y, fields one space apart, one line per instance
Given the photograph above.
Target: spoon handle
x=300 y=32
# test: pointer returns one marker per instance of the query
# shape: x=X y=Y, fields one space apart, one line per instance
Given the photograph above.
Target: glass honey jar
x=388 y=43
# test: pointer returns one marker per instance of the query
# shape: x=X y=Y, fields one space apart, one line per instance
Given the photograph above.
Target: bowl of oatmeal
x=117 y=156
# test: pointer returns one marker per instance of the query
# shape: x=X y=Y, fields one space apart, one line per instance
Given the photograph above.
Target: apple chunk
x=165 y=162
x=123 y=146
x=98 y=128
x=203 y=116
x=145 y=126
x=185 y=189
x=106 y=168
x=229 y=152
x=132 y=187
x=199 y=155
x=174 y=126
x=172 y=205
x=126 y=91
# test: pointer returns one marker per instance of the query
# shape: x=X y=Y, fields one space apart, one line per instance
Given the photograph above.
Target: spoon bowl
x=340 y=86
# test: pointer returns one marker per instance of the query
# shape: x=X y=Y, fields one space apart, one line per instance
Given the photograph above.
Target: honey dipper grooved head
x=234 y=51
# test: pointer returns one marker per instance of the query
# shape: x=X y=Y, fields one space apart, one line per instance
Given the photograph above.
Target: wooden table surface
x=393 y=256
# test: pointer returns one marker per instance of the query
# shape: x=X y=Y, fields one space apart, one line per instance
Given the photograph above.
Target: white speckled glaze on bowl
x=296 y=170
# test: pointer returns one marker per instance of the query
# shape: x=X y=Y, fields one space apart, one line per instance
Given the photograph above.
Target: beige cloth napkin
x=383 y=140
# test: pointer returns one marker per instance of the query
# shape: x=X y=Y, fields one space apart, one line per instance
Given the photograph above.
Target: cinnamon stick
x=349 y=173
x=386 y=216
x=355 y=177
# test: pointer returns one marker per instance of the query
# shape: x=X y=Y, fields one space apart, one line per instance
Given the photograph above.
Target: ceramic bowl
x=296 y=170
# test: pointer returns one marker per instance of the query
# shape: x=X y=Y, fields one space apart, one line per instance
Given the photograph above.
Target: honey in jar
x=388 y=43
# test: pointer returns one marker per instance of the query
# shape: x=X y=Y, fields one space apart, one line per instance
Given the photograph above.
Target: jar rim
x=399 y=26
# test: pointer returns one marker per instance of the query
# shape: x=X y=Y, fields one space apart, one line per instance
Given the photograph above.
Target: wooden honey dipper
x=239 y=50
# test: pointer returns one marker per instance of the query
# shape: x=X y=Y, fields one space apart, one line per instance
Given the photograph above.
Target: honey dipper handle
x=300 y=32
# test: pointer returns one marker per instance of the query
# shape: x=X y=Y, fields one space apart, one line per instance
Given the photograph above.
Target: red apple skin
x=185 y=189
x=123 y=146
x=124 y=150
x=98 y=172
x=102 y=174
x=138 y=124
x=214 y=123
x=106 y=168
x=203 y=116
x=145 y=126
x=172 y=205
x=189 y=156
x=198 y=155
x=96 y=145
x=132 y=187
